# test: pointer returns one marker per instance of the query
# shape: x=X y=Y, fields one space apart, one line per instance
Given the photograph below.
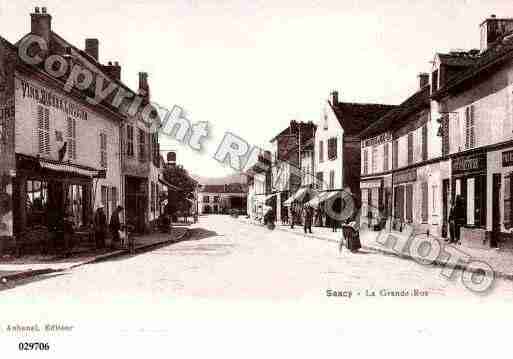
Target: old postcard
x=282 y=178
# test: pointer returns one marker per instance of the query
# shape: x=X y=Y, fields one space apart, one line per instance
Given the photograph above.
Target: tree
x=177 y=199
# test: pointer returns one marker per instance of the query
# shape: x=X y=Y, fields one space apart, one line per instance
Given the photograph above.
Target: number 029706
x=33 y=346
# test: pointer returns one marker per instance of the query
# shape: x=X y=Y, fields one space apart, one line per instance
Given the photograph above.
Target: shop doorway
x=445 y=207
x=496 y=214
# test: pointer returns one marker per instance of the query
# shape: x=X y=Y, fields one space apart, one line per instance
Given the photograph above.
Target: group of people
x=100 y=226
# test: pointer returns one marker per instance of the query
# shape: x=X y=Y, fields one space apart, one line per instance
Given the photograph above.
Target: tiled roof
x=355 y=117
x=396 y=116
x=460 y=60
x=501 y=51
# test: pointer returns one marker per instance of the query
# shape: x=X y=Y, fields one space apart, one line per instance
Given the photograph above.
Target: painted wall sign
x=370 y=184
x=48 y=98
x=384 y=137
x=405 y=176
x=469 y=163
x=507 y=158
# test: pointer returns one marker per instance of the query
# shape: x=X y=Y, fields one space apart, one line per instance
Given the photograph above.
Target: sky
x=250 y=67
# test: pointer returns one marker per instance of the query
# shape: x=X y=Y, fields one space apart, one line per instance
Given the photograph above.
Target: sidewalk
x=501 y=261
x=28 y=266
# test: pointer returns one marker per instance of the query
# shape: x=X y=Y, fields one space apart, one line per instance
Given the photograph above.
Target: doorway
x=496 y=212
x=445 y=207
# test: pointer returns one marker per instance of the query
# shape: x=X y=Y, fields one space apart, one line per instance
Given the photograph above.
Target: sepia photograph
x=256 y=179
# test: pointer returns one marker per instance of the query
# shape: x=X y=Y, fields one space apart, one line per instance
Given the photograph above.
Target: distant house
x=221 y=198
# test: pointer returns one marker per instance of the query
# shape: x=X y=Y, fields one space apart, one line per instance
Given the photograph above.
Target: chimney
x=494 y=29
x=113 y=70
x=423 y=79
x=334 y=98
x=41 y=24
x=144 y=89
x=92 y=47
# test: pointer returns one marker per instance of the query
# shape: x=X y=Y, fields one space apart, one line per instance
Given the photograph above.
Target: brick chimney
x=334 y=98
x=92 y=47
x=144 y=88
x=113 y=70
x=423 y=79
x=41 y=24
x=493 y=29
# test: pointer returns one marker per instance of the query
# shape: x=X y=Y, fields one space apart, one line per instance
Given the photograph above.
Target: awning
x=326 y=196
x=168 y=185
x=299 y=195
x=67 y=167
x=190 y=200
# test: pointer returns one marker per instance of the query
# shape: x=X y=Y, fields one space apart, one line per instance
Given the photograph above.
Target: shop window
x=43 y=129
x=36 y=203
x=332 y=148
x=75 y=205
x=129 y=140
x=321 y=151
x=72 y=138
x=104 y=193
x=508 y=223
x=103 y=150
x=409 y=203
x=365 y=199
x=332 y=179
x=385 y=157
x=434 y=190
x=470 y=201
x=114 y=197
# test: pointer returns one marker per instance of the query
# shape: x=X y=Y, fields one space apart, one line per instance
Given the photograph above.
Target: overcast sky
x=250 y=67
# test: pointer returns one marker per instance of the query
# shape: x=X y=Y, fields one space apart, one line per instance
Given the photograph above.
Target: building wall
x=87 y=133
x=222 y=203
x=329 y=127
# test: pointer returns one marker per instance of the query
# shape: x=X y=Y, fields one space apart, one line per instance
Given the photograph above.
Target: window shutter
x=507 y=201
x=472 y=126
x=365 y=162
x=72 y=132
x=424 y=202
x=43 y=124
x=395 y=154
x=410 y=147
x=385 y=157
x=467 y=127
x=445 y=135
x=424 y=143
x=409 y=202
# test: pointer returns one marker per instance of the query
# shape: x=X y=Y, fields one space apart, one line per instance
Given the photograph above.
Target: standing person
x=100 y=227
x=115 y=226
x=69 y=229
x=451 y=223
x=459 y=218
x=308 y=219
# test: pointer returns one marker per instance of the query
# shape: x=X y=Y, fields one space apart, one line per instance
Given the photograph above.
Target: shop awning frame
x=299 y=195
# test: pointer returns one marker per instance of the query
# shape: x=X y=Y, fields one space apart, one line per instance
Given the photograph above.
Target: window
x=43 y=129
x=72 y=138
x=319 y=176
x=425 y=197
x=332 y=148
x=445 y=135
x=130 y=140
x=434 y=81
x=206 y=199
x=332 y=179
x=103 y=150
x=37 y=199
x=385 y=157
x=216 y=199
x=142 y=146
x=374 y=159
x=321 y=151
x=395 y=154
x=365 y=162
x=75 y=205
x=410 y=148
x=470 y=136
x=424 y=143
x=155 y=149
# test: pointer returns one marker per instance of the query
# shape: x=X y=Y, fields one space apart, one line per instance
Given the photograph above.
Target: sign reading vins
x=384 y=137
x=405 y=176
x=507 y=158
x=469 y=163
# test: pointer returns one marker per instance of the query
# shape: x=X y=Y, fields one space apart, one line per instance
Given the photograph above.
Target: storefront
x=372 y=200
x=403 y=182
x=51 y=191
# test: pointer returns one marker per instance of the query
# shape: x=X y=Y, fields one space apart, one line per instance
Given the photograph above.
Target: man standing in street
x=308 y=219
x=100 y=227
x=115 y=226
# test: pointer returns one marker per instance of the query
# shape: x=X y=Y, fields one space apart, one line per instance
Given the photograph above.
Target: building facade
x=221 y=199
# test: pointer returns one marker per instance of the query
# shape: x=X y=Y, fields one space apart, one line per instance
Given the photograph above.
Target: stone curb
x=436 y=262
x=103 y=257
